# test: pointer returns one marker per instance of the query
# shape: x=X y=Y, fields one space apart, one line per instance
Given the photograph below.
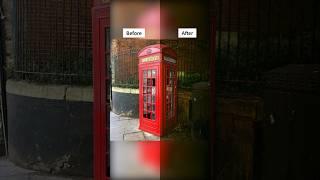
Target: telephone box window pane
x=153 y=73
x=153 y=91
x=153 y=82
x=148 y=115
x=149 y=73
x=149 y=93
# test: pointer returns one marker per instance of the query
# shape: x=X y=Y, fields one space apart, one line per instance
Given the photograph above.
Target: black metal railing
x=255 y=36
x=192 y=63
x=53 y=41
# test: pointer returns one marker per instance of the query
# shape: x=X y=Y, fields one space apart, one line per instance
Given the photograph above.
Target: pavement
x=121 y=129
x=127 y=129
x=9 y=171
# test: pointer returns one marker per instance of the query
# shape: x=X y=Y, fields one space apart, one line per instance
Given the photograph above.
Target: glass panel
x=153 y=73
x=149 y=91
x=107 y=39
x=153 y=91
x=144 y=81
x=154 y=82
x=169 y=92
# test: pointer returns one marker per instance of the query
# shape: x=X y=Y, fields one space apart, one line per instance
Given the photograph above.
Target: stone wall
x=50 y=127
x=125 y=102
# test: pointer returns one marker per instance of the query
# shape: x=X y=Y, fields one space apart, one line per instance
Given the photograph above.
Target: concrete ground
x=9 y=171
x=121 y=129
x=126 y=129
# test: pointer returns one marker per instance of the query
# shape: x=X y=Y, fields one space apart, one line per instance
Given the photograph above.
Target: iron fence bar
x=314 y=27
x=229 y=29
x=248 y=35
x=70 y=28
x=238 y=37
x=258 y=60
x=219 y=30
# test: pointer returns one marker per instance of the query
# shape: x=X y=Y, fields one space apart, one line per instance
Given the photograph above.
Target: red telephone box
x=157 y=89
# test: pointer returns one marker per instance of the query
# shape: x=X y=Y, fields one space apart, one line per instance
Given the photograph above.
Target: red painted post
x=101 y=79
x=157 y=89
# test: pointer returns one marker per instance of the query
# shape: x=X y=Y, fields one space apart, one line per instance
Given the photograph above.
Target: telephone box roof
x=157 y=48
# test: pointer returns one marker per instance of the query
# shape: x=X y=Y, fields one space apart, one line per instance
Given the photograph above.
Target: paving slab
x=135 y=136
x=151 y=137
x=127 y=129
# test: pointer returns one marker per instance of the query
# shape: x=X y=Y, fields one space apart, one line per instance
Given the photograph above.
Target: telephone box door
x=170 y=97
x=101 y=85
x=150 y=87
